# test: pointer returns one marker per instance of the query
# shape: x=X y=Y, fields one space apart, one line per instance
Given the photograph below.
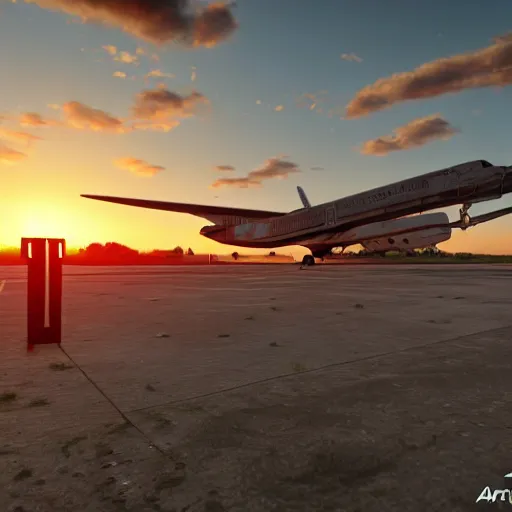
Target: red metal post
x=44 y=289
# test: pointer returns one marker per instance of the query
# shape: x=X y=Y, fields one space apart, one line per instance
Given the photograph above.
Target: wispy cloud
x=236 y=183
x=487 y=67
x=317 y=168
x=127 y=58
x=505 y=38
x=415 y=134
x=314 y=101
x=224 y=168
x=273 y=168
x=110 y=49
x=83 y=117
x=350 y=57
x=9 y=156
x=139 y=167
x=119 y=74
x=161 y=109
x=154 y=109
x=158 y=73
x=122 y=56
x=279 y=108
x=33 y=119
x=158 y=21
x=16 y=136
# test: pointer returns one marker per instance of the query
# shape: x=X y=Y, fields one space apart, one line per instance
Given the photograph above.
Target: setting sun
x=255 y=255
x=124 y=107
x=45 y=225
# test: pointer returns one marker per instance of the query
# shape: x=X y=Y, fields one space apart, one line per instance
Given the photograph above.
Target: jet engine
x=413 y=240
x=417 y=239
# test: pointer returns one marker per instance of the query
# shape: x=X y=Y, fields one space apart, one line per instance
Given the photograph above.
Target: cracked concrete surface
x=260 y=389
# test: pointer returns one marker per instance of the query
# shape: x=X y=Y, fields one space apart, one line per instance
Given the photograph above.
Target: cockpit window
x=485 y=163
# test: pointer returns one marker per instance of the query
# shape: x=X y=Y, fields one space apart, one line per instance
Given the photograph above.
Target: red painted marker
x=44 y=289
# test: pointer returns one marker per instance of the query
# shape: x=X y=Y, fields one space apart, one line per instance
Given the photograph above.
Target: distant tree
x=94 y=250
x=271 y=253
x=190 y=252
x=177 y=250
x=118 y=250
x=235 y=256
x=110 y=249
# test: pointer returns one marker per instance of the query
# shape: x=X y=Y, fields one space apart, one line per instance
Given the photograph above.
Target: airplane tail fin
x=303 y=198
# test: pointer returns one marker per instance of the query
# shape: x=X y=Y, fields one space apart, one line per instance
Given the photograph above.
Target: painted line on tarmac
x=223 y=289
x=2 y=285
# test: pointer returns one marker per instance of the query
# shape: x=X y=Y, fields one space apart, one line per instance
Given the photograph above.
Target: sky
x=236 y=105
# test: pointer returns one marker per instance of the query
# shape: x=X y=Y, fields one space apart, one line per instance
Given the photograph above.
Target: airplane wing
x=479 y=219
x=214 y=214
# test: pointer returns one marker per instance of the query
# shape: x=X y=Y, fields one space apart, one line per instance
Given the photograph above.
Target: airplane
x=384 y=218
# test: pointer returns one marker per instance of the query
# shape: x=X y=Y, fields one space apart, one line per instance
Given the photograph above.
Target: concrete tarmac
x=260 y=388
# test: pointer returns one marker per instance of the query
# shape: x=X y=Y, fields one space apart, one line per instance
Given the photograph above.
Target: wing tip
x=92 y=196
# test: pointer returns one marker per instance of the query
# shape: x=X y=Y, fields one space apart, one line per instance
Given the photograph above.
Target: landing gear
x=307 y=261
x=465 y=219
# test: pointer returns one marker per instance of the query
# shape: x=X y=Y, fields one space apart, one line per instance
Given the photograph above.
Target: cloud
x=279 y=108
x=139 y=167
x=15 y=136
x=110 y=49
x=155 y=109
x=236 y=183
x=150 y=104
x=162 y=109
x=157 y=21
x=271 y=169
x=158 y=73
x=224 y=168
x=10 y=156
x=314 y=101
x=350 y=57
x=317 y=168
x=193 y=74
x=127 y=58
x=506 y=38
x=119 y=74
x=415 y=134
x=82 y=117
x=274 y=168
x=487 y=67
x=34 y=120
x=123 y=56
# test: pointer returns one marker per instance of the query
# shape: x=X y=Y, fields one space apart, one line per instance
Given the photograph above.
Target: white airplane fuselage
x=384 y=218
x=373 y=213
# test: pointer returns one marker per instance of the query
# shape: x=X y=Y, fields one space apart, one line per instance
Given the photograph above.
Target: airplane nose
x=507 y=180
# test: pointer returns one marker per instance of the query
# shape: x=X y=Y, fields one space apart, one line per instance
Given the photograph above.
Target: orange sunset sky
x=162 y=103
